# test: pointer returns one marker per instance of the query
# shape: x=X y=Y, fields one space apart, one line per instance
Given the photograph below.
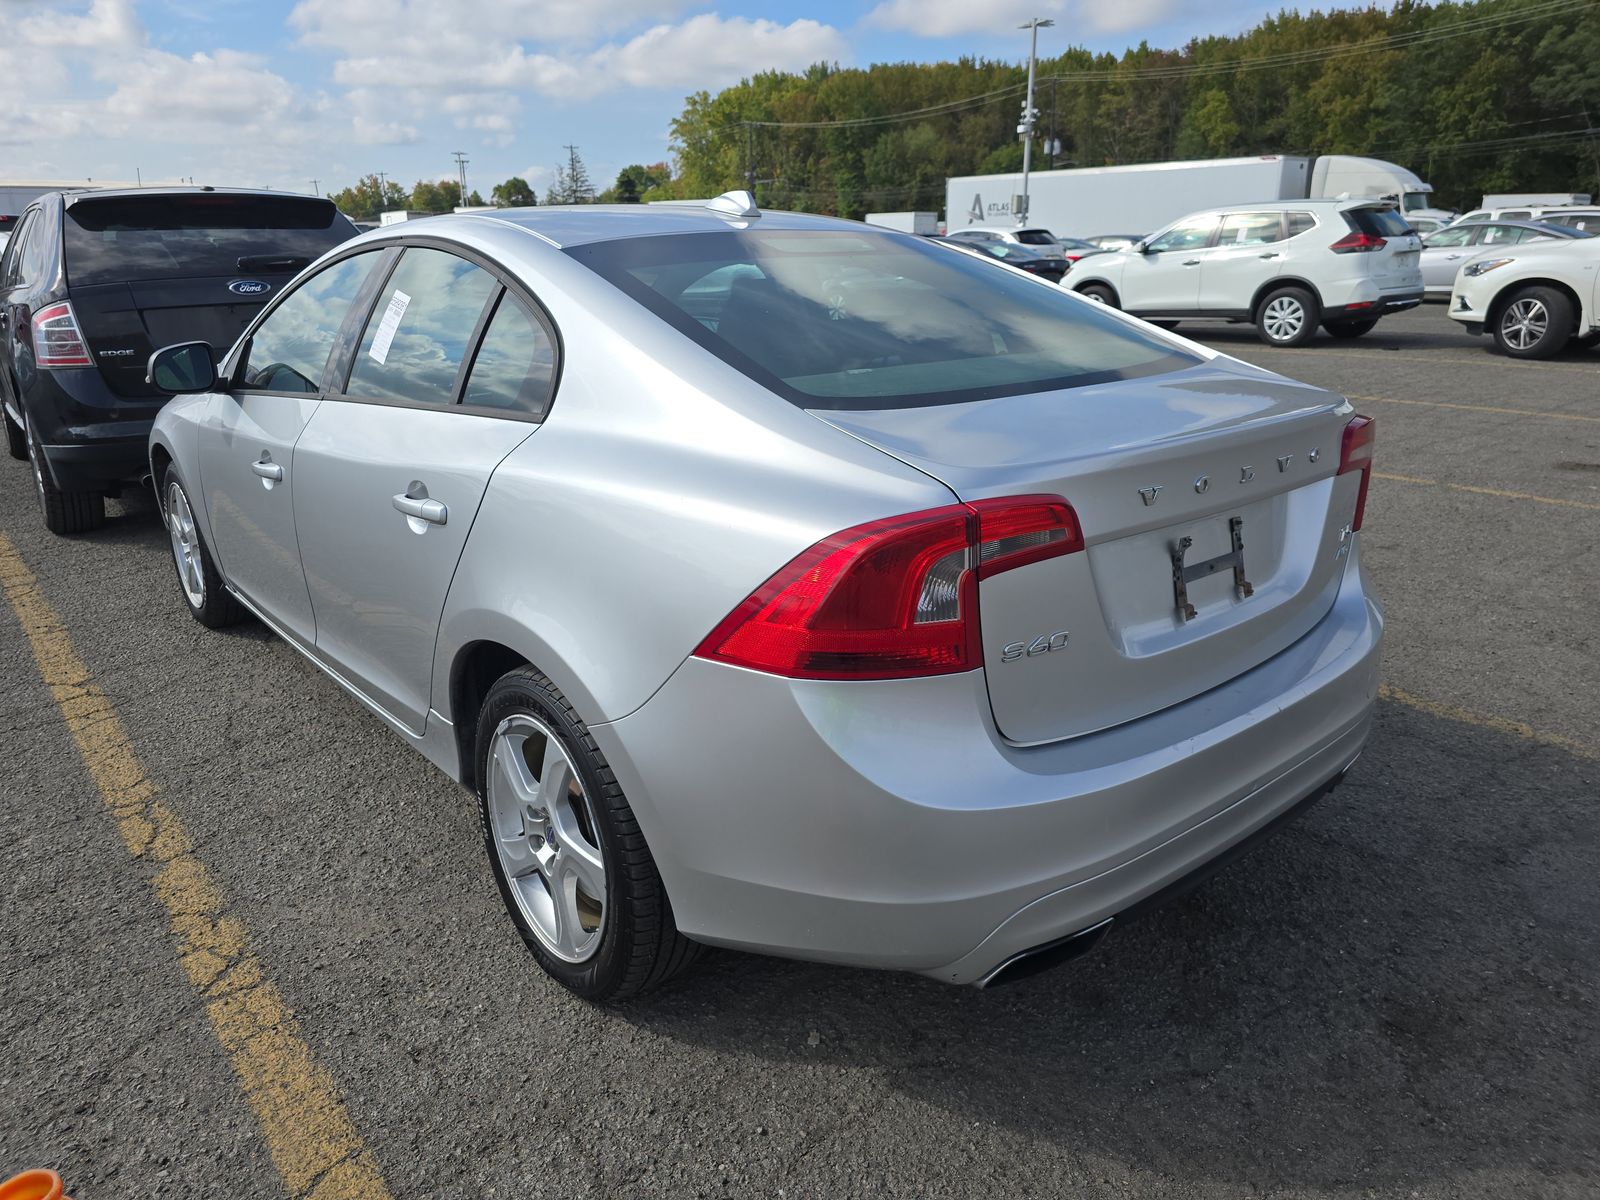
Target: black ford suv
x=92 y=282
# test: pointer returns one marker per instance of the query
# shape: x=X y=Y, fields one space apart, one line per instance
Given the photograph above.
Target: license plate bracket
x=1183 y=574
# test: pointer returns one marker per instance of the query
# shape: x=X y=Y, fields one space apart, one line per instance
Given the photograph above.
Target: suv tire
x=1533 y=322
x=1349 y=329
x=64 y=512
x=1099 y=293
x=16 y=439
x=1287 y=317
x=633 y=945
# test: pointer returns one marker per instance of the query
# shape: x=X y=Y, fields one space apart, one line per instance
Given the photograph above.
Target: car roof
x=581 y=224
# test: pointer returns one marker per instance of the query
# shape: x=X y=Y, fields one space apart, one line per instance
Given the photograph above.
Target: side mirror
x=1141 y=247
x=186 y=367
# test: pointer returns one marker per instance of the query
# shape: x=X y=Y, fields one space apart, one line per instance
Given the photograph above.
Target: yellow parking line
x=313 y=1144
x=1488 y=408
x=1501 y=493
x=1499 y=724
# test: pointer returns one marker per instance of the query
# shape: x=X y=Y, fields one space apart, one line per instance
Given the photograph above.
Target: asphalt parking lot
x=1395 y=997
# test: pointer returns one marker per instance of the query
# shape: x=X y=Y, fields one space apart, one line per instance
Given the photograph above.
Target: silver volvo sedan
x=786 y=584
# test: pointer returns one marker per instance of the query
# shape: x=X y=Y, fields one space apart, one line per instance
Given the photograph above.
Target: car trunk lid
x=1191 y=472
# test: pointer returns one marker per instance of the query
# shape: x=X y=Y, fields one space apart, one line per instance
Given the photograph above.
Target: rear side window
x=289 y=349
x=1035 y=237
x=420 y=329
x=1251 y=229
x=515 y=365
x=856 y=321
x=1516 y=214
x=1381 y=222
x=1301 y=222
x=118 y=239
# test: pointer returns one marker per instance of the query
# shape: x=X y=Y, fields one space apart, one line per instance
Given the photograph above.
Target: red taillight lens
x=57 y=341
x=893 y=598
x=1355 y=454
x=1358 y=243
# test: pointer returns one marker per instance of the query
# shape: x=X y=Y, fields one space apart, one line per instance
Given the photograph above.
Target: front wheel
x=1099 y=293
x=567 y=853
x=64 y=512
x=1349 y=329
x=1535 y=322
x=208 y=599
x=1287 y=317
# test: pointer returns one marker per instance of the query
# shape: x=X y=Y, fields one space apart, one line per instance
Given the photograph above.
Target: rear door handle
x=268 y=470
x=431 y=511
x=1191 y=262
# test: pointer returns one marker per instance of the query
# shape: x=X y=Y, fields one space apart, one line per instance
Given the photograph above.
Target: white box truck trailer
x=1142 y=198
x=925 y=223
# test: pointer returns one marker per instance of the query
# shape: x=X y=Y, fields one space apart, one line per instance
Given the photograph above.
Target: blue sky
x=257 y=93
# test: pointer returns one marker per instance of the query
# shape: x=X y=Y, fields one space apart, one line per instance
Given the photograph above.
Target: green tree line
x=1498 y=95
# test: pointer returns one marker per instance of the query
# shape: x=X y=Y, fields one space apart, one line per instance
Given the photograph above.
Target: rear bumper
x=92 y=438
x=1381 y=304
x=98 y=464
x=889 y=825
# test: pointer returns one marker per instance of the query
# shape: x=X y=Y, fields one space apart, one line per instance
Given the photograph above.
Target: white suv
x=1288 y=266
x=1534 y=298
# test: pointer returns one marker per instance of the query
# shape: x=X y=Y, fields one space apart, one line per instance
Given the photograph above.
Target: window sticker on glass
x=388 y=326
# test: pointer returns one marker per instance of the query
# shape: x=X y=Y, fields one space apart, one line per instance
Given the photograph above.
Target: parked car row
x=741 y=563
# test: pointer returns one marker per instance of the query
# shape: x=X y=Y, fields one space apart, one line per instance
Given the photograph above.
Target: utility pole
x=1029 y=116
x=750 y=157
x=383 y=189
x=461 y=166
x=315 y=190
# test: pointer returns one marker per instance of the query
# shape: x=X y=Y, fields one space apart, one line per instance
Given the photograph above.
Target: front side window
x=846 y=320
x=1251 y=229
x=514 y=369
x=1191 y=235
x=1499 y=235
x=421 y=329
x=1448 y=238
x=289 y=350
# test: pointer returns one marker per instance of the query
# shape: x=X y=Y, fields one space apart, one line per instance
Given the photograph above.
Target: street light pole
x=1029 y=115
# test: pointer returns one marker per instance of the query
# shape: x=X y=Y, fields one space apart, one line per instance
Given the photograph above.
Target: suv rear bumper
x=1385 y=303
x=92 y=439
x=99 y=464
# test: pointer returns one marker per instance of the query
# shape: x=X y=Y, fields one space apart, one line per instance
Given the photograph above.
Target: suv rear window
x=1382 y=222
x=121 y=238
x=1035 y=237
x=858 y=321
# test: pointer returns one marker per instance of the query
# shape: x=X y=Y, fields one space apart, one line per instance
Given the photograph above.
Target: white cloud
x=949 y=18
x=107 y=23
x=708 y=51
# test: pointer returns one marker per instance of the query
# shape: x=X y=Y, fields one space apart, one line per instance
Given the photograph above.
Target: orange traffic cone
x=33 y=1185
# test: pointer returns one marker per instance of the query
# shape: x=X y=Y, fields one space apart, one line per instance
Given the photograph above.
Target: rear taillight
x=893 y=598
x=1358 y=243
x=57 y=340
x=1355 y=454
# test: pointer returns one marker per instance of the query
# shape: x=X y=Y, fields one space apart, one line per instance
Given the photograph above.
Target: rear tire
x=64 y=512
x=1349 y=329
x=1534 y=322
x=208 y=598
x=1099 y=293
x=533 y=816
x=16 y=439
x=1287 y=317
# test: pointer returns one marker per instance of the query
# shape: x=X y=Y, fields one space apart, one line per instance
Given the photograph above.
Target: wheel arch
x=472 y=673
x=1278 y=282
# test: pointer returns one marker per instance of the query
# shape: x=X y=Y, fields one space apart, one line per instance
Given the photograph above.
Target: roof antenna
x=735 y=204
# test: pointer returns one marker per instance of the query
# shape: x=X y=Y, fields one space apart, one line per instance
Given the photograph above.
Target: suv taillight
x=893 y=598
x=1355 y=454
x=1358 y=243
x=57 y=341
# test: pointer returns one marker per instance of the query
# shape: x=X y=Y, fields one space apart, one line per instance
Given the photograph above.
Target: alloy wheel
x=185 y=545
x=1525 y=323
x=1284 y=318
x=546 y=838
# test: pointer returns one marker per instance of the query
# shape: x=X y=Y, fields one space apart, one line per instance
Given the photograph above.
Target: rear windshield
x=123 y=238
x=1036 y=237
x=1384 y=222
x=859 y=321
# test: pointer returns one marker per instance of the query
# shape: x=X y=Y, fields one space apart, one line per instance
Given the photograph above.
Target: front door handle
x=1274 y=254
x=1191 y=262
x=431 y=511
x=268 y=470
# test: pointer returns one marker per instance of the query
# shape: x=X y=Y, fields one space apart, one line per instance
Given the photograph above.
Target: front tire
x=207 y=596
x=1534 y=322
x=1349 y=329
x=64 y=512
x=568 y=857
x=1287 y=317
x=1099 y=293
